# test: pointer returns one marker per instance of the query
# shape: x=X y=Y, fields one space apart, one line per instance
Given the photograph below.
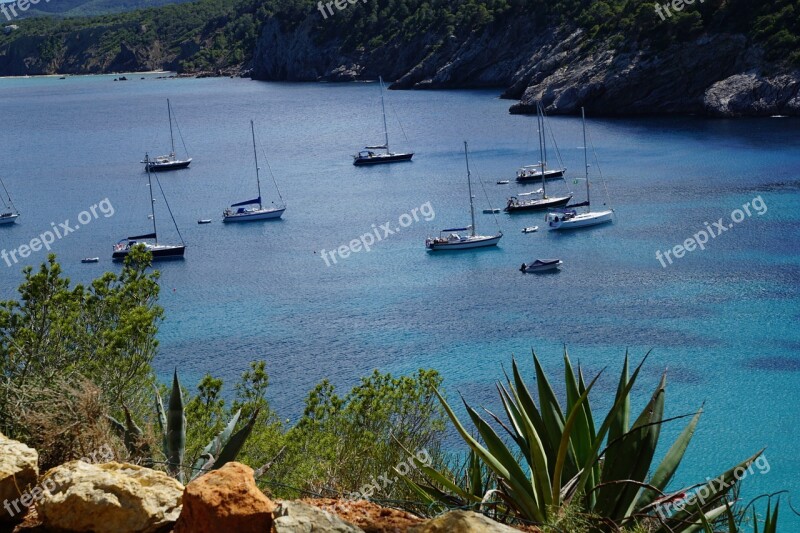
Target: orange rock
x=225 y=500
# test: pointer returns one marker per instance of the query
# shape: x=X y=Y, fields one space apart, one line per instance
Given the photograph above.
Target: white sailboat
x=10 y=214
x=369 y=155
x=258 y=211
x=169 y=161
x=517 y=204
x=451 y=239
x=540 y=171
x=150 y=240
x=570 y=218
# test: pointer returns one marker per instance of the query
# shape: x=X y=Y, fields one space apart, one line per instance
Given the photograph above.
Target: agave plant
x=172 y=424
x=563 y=458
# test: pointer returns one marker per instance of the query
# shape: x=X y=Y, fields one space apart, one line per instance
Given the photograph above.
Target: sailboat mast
x=540 y=123
x=383 y=108
x=255 y=154
x=585 y=156
x=469 y=187
x=152 y=199
x=7 y=195
x=171 y=136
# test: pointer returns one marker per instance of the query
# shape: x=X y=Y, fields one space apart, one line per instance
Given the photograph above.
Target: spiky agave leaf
x=520 y=488
x=630 y=458
x=716 y=491
x=176 y=430
x=234 y=444
x=162 y=422
x=668 y=466
x=214 y=447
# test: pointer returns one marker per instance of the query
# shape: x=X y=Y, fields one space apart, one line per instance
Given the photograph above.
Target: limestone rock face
x=298 y=517
x=109 y=497
x=19 y=471
x=746 y=94
x=716 y=74
x=226 y=499
x=461 y=522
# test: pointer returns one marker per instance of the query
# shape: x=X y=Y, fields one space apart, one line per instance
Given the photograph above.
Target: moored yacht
x=9 y=214
x=258 y=211
x=520 y=203
x=374 y=155
x=570 y=218
x=150 y=240
x=169 y=161
x=452 y=239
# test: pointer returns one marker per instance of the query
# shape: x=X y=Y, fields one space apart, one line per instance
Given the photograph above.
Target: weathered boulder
x=226 y=499
x=109 y=497
x=461 y=522
x=19 y=470
x=298 y=517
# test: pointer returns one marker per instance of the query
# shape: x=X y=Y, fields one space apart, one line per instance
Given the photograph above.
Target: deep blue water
x=723 y=321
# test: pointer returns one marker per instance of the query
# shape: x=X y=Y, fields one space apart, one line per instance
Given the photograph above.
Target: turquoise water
x=723 y=321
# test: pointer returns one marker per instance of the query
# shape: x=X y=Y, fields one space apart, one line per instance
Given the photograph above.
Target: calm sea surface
x=723 y=322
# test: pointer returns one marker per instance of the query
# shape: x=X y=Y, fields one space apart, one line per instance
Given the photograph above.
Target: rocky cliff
x=719 y=74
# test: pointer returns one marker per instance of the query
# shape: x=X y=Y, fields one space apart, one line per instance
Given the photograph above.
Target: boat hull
x=8 y=219
x=583 y=220
x=541 y=266
x=538 y=205
x=159 y=253
x=548 y=175
x=250 y=217
x=381 y=159
x=465 y=245
x=171 y=165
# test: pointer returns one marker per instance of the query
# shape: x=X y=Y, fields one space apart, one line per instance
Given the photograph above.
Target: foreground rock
x=298 y=517
x=461 y=522
x=225 y=500
x=110 y=497
x=19 y=471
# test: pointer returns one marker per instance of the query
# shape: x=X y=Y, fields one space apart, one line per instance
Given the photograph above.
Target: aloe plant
x=562 y=457
x=222 y=449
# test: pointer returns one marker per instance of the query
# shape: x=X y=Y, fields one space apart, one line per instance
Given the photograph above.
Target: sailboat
x=530 y=173
x=258 y=212
x=150 y=240
x=450 y=239
x=10 y=214
x=515 y=203
x=169 y=161
x=369 y=155
x=570 y=218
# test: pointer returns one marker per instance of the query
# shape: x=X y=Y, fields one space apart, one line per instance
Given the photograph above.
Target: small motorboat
x=541 y=265
x=90 y=260
x=530 y=229
x=204 y=221
x=491 y=211
x=503 y=182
